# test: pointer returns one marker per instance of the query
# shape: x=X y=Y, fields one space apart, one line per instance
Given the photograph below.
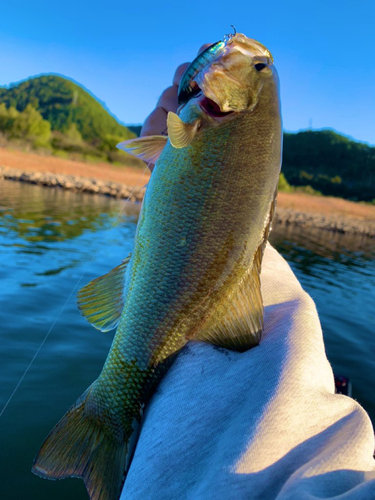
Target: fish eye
x=260 y=66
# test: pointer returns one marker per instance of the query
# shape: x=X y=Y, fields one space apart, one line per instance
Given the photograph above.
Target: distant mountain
x=330 y=163
x=65 y=104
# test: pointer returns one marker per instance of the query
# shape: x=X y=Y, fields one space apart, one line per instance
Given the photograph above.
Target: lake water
x=53 y=241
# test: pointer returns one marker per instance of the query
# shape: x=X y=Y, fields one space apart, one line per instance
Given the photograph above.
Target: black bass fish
x=194 y=272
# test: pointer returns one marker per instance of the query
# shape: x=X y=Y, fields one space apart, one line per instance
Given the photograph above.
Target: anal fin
x=240 y=327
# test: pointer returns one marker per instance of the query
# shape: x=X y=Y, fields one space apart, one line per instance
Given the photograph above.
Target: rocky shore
x=284 y=216
x=331 y=222
x=74 y=183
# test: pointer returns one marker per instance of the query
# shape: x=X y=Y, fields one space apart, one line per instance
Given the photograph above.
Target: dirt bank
x=328 y=213
x=32 y=162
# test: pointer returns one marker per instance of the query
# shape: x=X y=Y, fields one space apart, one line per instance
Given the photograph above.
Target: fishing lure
x=188 y=88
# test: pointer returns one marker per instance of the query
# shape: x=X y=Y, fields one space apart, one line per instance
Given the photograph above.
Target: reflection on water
x=40 y=215
x=54 y=241
x=344 y=248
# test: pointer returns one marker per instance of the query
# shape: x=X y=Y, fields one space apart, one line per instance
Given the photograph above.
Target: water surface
x=53 y=241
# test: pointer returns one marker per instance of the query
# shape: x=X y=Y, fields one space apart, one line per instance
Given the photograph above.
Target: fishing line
x=40 y=347
x=67 y=300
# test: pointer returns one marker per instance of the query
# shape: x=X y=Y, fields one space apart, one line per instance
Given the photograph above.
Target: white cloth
x=264 y=424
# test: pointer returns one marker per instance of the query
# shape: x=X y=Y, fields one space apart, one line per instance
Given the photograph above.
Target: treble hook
x=228 y=38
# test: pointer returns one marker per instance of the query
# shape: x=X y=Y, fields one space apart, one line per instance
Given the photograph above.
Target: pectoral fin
x=180 y=133
x=102 y=300
x=147 y=148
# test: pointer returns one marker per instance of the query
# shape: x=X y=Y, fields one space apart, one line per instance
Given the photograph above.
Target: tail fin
x=79 y=446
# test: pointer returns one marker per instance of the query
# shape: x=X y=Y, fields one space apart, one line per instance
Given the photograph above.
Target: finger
x=155 y=123
x=179 y=72
x=168 y=99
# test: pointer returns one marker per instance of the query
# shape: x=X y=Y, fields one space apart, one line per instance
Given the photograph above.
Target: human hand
x=156 y=122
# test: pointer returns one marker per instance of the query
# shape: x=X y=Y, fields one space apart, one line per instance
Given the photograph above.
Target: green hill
x=64 y=104
x=330 y=163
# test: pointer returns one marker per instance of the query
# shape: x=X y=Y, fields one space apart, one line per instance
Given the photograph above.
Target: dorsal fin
x=240 y=327
x=102 y=300
x=180 y=133
x=147 y=148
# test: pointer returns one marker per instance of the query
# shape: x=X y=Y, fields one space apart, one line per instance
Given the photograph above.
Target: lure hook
x=227 y=38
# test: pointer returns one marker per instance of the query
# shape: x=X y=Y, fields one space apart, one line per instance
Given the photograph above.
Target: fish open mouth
x=211 y=108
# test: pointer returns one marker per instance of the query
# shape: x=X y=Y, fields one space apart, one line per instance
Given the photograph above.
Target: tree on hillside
x=28 y=125
x=7 y=118
x=330 y=163
x=74 y=134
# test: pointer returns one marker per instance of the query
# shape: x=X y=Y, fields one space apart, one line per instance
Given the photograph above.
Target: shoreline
x=74 y=183
x=287 y=213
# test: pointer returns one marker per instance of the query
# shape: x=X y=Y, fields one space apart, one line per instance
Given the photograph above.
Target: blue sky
x=126 y=53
